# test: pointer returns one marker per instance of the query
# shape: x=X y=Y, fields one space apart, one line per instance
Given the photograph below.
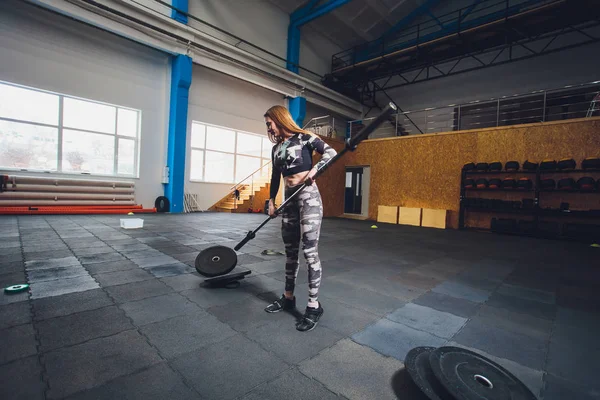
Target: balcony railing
x=322 y=126
x=483 y=12
x=573 y=101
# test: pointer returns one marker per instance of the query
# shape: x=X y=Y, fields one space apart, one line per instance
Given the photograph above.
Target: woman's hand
x=309 y=178
x=271 y=208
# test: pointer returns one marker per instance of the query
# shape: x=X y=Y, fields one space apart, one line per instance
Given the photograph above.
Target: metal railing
x=469 y=17
x=322 y=126
x=252 y=182
x=569 y=102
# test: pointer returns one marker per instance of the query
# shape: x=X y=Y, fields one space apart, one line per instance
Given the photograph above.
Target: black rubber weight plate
x=216 y=261
x=226 y=279
x=468 y=375
x=162 y=204
x=417 y=365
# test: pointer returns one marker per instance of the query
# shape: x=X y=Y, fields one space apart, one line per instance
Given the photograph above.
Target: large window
x=224 y=155
x=42 y=131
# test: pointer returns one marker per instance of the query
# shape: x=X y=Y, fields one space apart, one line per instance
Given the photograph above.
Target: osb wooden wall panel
x=424 y=171
x=332 y=182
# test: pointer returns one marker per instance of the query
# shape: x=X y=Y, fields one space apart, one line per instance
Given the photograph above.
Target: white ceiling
x=357 y=21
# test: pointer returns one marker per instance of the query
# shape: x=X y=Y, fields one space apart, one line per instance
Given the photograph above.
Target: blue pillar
x=293 y=48
x=303 y=16
x=297 y=107
x=179 y=8
x=181 y=79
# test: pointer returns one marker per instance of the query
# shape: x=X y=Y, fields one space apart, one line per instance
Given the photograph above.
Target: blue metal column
x=293 y=48
x=180 y=7
x=181 y=79
x=297 y=107
x=301 y=17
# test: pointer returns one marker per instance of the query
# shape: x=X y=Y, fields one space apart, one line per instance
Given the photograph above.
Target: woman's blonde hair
x=283 y=119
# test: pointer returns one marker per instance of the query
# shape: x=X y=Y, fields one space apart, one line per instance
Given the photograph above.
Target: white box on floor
x=132 y=223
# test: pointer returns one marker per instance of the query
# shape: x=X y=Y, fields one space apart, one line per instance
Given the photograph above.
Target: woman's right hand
x=271 y=209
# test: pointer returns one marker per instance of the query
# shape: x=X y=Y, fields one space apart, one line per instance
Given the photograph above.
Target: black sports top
x=294 y=155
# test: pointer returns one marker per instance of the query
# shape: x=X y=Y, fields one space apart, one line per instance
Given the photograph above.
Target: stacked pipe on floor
x=22 y=195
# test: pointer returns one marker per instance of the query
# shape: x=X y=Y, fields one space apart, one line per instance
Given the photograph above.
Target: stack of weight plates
x=454 y=373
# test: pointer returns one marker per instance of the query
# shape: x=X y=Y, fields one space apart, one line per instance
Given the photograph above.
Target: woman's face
x=271 y=127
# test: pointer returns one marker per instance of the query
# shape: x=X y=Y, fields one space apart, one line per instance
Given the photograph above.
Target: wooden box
x=387 y=214
x=434 y=218
x=410 y=216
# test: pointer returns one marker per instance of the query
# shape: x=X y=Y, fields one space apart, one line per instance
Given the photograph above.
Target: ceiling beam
x=417 y=12
x=300 y=17
x=331 y=5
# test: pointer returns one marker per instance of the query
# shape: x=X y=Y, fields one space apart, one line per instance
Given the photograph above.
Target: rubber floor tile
x=69 y=304
x=157 y=382
x=354 y=371
x=393 y=339
x=438 y=323
x=93 y=363
x=210 y=370
x=21 y=379
x=443 y=302
x=291 y=384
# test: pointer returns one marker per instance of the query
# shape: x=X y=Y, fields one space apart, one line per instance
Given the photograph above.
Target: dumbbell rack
x=536 y=211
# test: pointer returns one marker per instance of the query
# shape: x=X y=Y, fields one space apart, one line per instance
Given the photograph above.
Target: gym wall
x=265 y=25
x=47 y=51
x=222 y=100
x=425 y=170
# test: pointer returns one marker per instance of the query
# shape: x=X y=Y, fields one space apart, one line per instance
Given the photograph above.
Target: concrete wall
x=43 y=50
x=221 y=100
x=264 y=25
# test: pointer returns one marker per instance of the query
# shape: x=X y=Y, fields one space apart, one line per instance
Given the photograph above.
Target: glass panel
x=127 y=122
x=220 y=167
x=88 y=152
x=28 y=146
x=348 y=179
x=250 y=145
x=197 y=165
x=198 y=135
x=265 y=170
x=81 y=114
x=220 y=139
x=267 y=147
x=28 y=105
x=245 y=166
x=126 y=157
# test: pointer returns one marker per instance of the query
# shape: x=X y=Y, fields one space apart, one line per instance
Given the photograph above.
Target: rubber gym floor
x=114 y=313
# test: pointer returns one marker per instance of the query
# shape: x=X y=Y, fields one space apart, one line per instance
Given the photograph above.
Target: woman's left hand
x=309 y=178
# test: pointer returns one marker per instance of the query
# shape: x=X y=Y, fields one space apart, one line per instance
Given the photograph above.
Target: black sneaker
x=281 y=304
x=310 y=319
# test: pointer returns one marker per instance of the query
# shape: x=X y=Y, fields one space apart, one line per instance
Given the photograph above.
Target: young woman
x=291 y=157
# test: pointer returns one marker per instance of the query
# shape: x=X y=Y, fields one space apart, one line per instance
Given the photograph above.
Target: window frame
x=60 y=127
x=234 y=153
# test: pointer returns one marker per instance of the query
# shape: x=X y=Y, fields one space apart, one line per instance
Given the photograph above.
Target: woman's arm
x=327 y=152
x=275 y=177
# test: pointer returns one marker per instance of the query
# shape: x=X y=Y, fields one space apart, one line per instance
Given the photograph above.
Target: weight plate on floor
x=468 y=376
x=417 y=365
x=216 y=261
x=162 y=204
x=16 y=288
x=228 y=281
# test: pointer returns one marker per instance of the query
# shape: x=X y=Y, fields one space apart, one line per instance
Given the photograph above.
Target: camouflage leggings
x=301 y=222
